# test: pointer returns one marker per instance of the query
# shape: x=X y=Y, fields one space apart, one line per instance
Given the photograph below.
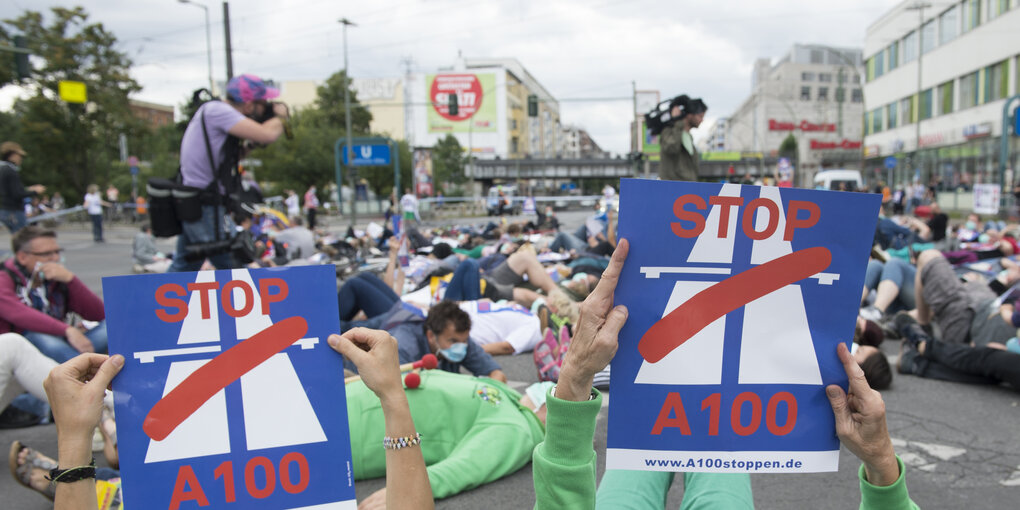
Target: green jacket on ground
x=677 y=163
x=474 y=253
x=474 y=431
x=564 y=467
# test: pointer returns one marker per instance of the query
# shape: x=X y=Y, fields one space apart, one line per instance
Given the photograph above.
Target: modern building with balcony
x=936 y=87
x=812 y=93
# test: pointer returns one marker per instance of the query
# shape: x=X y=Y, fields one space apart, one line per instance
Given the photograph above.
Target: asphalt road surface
x=959 y=442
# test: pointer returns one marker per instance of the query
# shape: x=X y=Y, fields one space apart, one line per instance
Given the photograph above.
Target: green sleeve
x=475 y=253
x=563 y=465
x=892 y=497
x=490 y=452
x=671 y=139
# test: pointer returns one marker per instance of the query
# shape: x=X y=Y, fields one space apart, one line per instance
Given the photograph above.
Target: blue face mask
x=455 y=352
x=971 y=225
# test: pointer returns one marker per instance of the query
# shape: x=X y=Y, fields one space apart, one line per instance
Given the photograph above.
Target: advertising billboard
x=422 y=171
x=476 y=103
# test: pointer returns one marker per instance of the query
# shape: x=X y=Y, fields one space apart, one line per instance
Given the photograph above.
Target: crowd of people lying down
x=472 y=295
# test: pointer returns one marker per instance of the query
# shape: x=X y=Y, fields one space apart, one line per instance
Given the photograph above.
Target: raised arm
x=75 y=390
x=375 y=354
x=861 y=427
x=563 y=465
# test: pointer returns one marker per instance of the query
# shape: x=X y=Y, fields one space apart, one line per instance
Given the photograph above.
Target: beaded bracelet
x=73 y=474
x=396 y=443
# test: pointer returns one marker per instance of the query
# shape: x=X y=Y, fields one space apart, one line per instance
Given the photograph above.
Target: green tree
x=788 y=147
x=72 y=145
x=329 y=106
x=308 y=158
x=448 y=162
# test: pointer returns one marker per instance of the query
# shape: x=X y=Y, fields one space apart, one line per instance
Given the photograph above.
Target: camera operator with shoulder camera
x=210 y=151
x=678 y=157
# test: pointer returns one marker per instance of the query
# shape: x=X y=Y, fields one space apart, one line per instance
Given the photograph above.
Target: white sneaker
x=871 y=313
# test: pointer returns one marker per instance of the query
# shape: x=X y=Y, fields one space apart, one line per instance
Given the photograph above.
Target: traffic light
x=21 y=65
x=532 y=105
x=453 y=104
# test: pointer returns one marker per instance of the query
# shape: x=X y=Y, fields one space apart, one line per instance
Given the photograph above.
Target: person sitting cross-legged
x=38 y=293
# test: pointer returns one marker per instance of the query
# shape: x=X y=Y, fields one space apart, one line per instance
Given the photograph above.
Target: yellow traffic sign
x=72 y=91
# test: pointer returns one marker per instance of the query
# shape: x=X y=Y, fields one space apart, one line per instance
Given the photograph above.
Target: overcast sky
x=575 y=48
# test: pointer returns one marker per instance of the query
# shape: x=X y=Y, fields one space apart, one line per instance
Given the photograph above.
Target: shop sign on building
x=932 y=139
x=775 y=125
x=826 y=145
x=977 y=130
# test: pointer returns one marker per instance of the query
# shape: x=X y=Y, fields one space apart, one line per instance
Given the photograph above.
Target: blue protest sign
x=529 y=206
x=230 y=396
x=369 y=155
x=738 y=297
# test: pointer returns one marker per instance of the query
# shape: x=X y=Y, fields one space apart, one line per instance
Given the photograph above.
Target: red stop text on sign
x=171 y=297
x=692 y=210
x=260 y=479
x=744 y=417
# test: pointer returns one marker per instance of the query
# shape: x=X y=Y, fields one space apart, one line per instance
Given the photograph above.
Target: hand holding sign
x=76 y=389
x=595 y=341
x=375 y=354
x=860 y=423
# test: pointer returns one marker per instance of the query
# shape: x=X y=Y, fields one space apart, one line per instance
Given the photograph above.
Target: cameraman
x=678 y=157
x=226 y=123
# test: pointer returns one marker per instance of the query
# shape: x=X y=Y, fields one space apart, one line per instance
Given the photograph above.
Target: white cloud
x=575 y=48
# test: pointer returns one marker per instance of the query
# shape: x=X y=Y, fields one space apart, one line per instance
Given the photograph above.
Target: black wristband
x=73 y=474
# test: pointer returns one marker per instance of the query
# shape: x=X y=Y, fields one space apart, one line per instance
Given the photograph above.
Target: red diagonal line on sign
x=722 y=298
x=215 y=375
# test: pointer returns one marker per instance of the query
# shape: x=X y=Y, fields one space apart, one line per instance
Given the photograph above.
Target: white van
x=836 y=179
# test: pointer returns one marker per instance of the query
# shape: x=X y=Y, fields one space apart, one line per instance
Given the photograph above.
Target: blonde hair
x=561 y=304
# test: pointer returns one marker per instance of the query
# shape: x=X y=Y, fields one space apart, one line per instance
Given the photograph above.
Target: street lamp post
x=919 y=7
x=347 y=120
x=208 y=40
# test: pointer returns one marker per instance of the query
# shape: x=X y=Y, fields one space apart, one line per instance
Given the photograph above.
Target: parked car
x=847 y=180
x=503 y=200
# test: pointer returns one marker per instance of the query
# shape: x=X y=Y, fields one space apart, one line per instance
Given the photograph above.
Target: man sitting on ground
x=38 y=294
x=147 y=258
x=300 y=241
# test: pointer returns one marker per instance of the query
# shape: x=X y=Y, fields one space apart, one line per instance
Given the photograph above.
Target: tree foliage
x=71 y=145
x=448 y=162
x=308 y=158
x=788 y=147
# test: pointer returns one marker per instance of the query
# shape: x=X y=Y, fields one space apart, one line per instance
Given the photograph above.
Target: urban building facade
x=493 y=120
x=937 y=83
x=155 y=115
x=576 y=143
x=716 y=139
x=814 y=94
